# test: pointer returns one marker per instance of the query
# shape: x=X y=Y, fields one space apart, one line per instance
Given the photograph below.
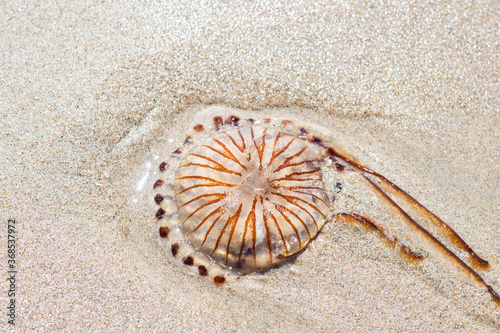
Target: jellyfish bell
x=251 y=196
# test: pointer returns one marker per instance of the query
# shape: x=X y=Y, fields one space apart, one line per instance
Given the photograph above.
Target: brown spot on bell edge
x=198 y=128
x=175 y=249
x=317 y=141
x=158 y=199
x=235 y=120
x=330 y=151
x=163 y=166
x=188 y=261
x=164 y=232
x=158 y=183
x=160 y=213
x=219 y=279
x=203 y=270
x=232 y=120
x=218 y=122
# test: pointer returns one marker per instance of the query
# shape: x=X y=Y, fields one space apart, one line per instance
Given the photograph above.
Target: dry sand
x=90 y=91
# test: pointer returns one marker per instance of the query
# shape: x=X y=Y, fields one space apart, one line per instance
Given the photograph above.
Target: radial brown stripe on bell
x=213 y=165
x=219 y=197
x=277 y=152
x=278 y=228
x=287 y=163
x=268 y=234
x=260 y=146
x=224 y=151
x=216 y=212
x=249 y=220
x=240 y=146
x=284 y=217
x=232 y=222
x=207 y=182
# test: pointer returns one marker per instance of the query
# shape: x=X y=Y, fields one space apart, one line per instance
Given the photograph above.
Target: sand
x=91 y=92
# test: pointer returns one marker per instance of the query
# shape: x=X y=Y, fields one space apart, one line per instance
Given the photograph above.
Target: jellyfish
x=247 y=193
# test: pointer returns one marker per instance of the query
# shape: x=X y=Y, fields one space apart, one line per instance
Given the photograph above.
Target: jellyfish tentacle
x=384 y=233
x=452 y=234
x=434 y=240
x=363 y=171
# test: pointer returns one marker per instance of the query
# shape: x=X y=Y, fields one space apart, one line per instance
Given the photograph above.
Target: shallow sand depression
x=92 y=97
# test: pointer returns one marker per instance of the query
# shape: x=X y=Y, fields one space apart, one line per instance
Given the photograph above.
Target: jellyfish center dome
x=255 y=181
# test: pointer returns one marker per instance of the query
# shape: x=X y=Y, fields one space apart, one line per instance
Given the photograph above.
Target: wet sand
x=92 y=93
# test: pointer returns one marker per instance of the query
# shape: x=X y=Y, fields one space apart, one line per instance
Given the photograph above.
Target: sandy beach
x=93 y=95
